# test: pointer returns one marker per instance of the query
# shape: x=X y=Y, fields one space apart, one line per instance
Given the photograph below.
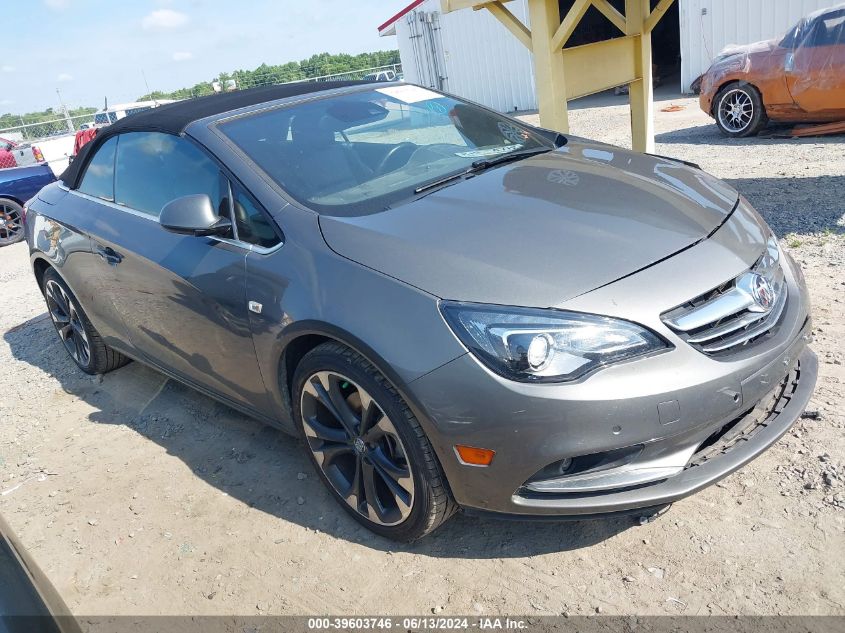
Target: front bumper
x=788 y=406
x=523 y=447
x=670 y=406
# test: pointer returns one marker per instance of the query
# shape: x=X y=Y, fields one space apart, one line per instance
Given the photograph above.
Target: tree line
x=315 y=66
x=50 y=114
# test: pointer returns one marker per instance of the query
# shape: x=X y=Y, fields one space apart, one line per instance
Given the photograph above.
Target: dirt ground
x=137 y=495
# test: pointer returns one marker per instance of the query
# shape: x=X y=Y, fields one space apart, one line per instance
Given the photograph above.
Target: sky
x=92 y=49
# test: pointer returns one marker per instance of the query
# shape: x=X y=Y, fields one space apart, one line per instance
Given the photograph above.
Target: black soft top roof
x=173 y=118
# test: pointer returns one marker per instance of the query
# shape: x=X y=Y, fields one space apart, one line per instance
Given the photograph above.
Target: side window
x=99 y=175
x=252 y=225
x=828 y=31
x=835 y=29
x=154 y=168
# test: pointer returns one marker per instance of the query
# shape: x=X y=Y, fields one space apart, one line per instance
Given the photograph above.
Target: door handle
x=109 y=255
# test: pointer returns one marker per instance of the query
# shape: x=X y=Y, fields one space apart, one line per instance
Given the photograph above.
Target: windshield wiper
x=443 y=181
x=481 y=165
x=487 y=163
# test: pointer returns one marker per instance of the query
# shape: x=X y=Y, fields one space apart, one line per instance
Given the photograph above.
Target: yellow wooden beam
x=447 y=6
x=569 y=22
x=607 y=9
x=511 y=22
x=641 y=91
x=591 y=68
x=658 y=12
x=549 y=74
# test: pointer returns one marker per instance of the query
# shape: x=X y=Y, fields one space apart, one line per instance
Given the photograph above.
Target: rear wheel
x=367 y=446
x=79 y=338
x=739 y=110
x=11 y=222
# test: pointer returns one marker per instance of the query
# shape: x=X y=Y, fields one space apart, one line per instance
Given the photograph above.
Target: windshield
x=793 y=38
x=362 y=152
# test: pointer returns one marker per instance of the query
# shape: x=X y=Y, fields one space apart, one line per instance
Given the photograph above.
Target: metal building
x=470 y=53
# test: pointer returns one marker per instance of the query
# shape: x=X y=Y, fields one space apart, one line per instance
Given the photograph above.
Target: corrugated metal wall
x=479 y=59
x=475 y=56
x=733 y=22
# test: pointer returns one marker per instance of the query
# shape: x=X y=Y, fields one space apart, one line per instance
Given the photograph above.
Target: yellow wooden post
x=641 y=91
x=548 y=64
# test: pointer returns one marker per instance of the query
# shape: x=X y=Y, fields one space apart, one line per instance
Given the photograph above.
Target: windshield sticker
x=489 y=151
x=408 y=94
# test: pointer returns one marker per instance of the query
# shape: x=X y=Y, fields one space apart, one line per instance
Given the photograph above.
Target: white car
x=381 y=75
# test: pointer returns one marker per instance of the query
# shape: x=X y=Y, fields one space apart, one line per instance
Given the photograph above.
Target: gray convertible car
x=451 y=308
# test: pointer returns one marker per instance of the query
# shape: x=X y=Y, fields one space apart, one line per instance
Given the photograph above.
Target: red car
x=15 y=155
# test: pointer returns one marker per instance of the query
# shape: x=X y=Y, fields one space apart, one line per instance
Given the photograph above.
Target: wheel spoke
x=371 y=413
x=57 y=296
x=392 y=474
x=374 y=509
x=354 y=494
x=327 y=452
x=86 y=350
x=345 y=415
x=65 y=331
x=378 y=430
x=77 y=326
x=59 y=317
x=77 y=349
x=320 y=386
x=386 y=464
x=323 y=432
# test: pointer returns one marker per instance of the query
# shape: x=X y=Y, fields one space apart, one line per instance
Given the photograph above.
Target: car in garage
x=798 y=78
x=449 y=307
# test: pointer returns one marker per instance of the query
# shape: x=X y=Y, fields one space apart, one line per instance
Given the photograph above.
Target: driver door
x=815 y=70
x=181 y=298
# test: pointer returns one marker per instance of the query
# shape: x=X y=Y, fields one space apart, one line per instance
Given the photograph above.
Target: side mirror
x=194 y=215
x=789 y=62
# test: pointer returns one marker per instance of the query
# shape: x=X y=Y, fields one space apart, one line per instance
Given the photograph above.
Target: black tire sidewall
x=22 y=234
x=758 y=120
x=91 y=367
x=318 y=360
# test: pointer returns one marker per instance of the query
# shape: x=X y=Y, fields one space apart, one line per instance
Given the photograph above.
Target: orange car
x=800 y=78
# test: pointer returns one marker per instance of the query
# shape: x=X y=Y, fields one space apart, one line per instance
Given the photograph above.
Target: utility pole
x=70 y=127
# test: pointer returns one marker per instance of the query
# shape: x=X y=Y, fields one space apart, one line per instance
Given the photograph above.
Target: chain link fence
x=66 y=124
x=239 y=81
x=54 y=138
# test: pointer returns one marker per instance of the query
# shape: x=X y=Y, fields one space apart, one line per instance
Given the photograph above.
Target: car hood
x=542 y=230
x=732 y=52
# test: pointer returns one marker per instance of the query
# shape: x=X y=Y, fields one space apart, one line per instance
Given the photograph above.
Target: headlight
x=533 y=345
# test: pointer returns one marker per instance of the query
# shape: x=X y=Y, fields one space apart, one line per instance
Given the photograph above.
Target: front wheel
x=367 y=445
x=11 y=222
x=739 y=110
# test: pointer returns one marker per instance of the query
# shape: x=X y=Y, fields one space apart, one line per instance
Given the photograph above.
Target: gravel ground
x=139 y=496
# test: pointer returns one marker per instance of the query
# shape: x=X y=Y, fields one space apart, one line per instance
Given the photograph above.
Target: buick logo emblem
x=762 y=292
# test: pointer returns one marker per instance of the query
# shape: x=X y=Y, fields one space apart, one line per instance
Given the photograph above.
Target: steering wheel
x=405 y=145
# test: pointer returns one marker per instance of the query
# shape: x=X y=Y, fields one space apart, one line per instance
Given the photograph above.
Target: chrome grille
x=736 y=313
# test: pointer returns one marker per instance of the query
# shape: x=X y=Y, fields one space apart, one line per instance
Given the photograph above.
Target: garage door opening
x=665 y=38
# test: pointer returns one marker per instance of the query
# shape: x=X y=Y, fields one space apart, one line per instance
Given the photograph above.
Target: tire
x=377 y=462
x=11 y=222
x=739 y=110
x=80 y=339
